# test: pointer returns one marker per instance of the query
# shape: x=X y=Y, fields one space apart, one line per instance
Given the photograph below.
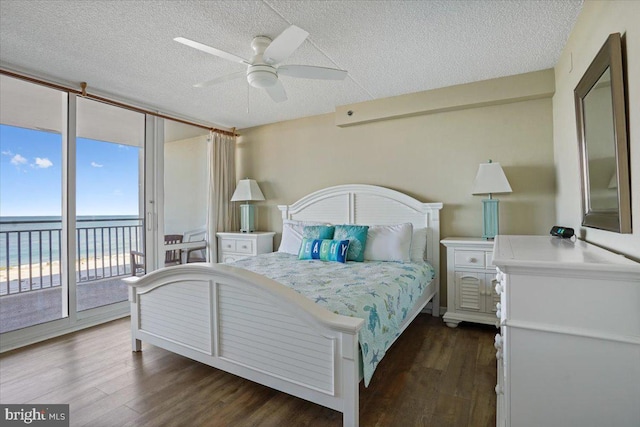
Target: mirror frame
x=609 y=57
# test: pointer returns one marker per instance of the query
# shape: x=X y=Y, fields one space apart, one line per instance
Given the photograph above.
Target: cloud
x=7 y=153
x=43 y=163
x=18 y=160
x=117 y=192
x=96 y=165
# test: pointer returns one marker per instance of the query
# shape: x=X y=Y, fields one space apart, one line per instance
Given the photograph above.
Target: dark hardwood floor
x=432 y=376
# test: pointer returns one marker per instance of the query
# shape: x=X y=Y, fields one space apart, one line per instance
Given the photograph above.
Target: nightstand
x=233 y=246
x=471 y=280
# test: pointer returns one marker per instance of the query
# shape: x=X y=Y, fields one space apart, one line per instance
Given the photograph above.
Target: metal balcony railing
x=30 y=251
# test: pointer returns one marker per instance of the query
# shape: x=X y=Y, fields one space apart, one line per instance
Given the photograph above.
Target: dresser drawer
x=244 y=246
x=228 y=245
x=470 y=259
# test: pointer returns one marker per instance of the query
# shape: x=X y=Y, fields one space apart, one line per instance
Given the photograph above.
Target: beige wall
x=431 y=156
x=597 y=20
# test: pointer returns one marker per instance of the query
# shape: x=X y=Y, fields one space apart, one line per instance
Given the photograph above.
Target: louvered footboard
x=253 y=327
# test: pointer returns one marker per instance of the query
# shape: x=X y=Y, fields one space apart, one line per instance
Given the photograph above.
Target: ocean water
x=36 y=239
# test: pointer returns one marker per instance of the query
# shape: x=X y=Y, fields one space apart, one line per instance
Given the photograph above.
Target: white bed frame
x=253 y=327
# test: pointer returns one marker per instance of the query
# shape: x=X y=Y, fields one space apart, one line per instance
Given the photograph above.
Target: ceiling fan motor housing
x=259 y=73
x=261 y=76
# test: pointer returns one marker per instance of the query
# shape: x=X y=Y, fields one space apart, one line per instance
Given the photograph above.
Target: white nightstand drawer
x=228 y=245
x=244 y=246
x=469 y=259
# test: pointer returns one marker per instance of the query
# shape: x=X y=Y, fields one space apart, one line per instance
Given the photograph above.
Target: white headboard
x=369 y=205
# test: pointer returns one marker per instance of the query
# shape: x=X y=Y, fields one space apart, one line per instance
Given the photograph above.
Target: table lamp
x=490 y=179
x=247 y=191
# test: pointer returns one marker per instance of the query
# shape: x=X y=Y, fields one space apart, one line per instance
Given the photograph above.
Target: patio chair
x=173 y=256
x=198 y=254
x=137 y=263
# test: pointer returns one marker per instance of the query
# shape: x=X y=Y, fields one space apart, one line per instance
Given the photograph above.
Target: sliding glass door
x=71 y=209
x=32 y=134
x=108 y=215
x=185 y=184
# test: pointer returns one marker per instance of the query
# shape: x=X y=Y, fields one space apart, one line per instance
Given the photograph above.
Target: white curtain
x=222 y=184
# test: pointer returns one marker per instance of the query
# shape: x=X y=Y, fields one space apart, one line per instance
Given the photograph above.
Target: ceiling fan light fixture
x=261 y=76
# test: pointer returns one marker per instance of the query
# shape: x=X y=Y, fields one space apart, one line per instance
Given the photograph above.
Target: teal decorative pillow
x=318 y=231
x=357 y=236
x=324 y=249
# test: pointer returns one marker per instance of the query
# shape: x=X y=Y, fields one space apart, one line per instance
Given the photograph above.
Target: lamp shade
x=246 y=190
x=490 y=179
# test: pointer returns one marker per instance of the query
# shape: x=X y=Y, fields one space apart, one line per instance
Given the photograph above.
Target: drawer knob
x=471 y=259
x=498 y=389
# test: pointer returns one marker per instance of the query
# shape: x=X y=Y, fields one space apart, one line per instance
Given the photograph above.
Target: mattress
x=380 y=293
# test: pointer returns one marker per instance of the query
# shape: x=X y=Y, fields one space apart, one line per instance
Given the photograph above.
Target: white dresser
x=569 y=344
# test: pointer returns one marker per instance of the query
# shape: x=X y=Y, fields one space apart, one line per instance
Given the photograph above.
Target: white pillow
x=418 y=244
x=389 y=243
x=292 y=235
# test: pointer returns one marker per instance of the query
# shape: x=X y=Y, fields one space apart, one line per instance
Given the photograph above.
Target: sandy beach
x=47 y=274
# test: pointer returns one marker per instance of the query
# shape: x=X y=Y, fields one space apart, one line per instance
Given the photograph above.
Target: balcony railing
x=30 y=251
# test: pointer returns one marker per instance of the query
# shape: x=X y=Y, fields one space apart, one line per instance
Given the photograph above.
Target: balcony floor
x=31 y=308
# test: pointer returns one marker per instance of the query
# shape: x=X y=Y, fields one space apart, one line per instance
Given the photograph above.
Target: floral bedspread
x=381 y=293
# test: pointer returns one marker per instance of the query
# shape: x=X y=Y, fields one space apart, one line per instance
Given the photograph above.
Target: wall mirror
x=602 y=138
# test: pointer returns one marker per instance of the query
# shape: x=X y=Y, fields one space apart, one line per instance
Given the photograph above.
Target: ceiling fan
x=263 y=69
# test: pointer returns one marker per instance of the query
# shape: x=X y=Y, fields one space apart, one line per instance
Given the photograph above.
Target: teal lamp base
x=489 y=218
x=247 y=219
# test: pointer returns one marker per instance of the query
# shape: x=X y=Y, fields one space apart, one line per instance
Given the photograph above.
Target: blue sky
x=31 y=175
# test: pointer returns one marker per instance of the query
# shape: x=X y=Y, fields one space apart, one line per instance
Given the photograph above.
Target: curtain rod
x=83 y=93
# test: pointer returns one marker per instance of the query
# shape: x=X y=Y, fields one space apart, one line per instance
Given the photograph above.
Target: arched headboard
x=370 y=205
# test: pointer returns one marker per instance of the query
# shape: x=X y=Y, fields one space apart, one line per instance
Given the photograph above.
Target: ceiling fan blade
x=284 y=45
x=277 y=92
x=222 y=79
x=312 y=72
x=211 y=50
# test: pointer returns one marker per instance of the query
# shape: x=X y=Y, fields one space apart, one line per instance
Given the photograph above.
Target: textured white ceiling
x=126 y=48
